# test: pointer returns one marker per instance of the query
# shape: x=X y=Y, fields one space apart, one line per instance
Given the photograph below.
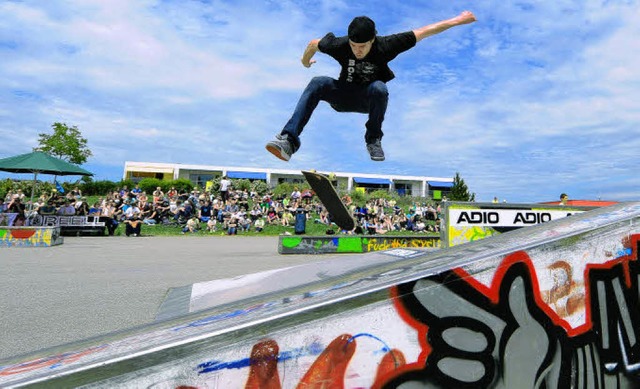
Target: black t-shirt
x=16 y=208
x=374 y=66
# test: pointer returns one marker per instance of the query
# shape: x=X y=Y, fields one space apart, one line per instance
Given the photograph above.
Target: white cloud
x=534 y=99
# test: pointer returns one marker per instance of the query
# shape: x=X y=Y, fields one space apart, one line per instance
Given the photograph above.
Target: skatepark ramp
x=554 y=305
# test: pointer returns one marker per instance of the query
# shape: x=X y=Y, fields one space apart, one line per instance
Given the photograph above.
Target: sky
x=533 y=100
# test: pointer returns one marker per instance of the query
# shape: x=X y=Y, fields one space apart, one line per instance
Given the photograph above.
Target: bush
x=241 y=184
x=98 y=188
x=358 y=197
x=260 y=187
x=5 y=187
x=182 y=185
x=283 y=190
x=149 y=185
x=381 y=194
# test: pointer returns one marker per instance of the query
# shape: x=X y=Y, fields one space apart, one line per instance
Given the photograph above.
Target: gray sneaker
x=280 y=147
x=375 y=150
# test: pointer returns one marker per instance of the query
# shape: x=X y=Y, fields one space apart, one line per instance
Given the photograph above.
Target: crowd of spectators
x=380 y=216
x=227 y=212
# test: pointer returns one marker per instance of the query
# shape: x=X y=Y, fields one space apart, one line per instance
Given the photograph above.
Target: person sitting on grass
x=287 y=218
x=272 y=216
x=232 y=225
x=193 y=225
x=244 y=222
x=324 y=217
x=387 y=224
x=212 y=224
x=256 y=212
x=133 y=227
x=259 y=224
x=380 y=227
x=205 y=211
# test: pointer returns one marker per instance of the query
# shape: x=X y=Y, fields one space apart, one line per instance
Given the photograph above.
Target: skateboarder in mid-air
x=361 y=87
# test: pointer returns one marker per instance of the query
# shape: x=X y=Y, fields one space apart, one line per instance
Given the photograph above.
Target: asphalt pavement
x=91 y=286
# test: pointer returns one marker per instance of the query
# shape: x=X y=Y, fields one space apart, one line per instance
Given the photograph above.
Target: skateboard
x=330 y=199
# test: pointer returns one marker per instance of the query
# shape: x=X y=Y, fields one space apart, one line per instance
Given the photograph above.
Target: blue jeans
x=371 y=99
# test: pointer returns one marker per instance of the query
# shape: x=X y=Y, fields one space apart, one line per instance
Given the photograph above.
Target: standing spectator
x=225 y=186
x=564 y=199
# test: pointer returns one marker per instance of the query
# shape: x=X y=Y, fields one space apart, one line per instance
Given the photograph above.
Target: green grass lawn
x=313 y=229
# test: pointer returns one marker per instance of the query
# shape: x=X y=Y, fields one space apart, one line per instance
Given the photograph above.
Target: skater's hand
x=307 y=64
x=466 y=17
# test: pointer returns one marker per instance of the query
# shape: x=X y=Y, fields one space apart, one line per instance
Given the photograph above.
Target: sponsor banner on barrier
x=66 y=221
x=353 y=244
x=506 y=217
x=7 y=219
x=467 y=222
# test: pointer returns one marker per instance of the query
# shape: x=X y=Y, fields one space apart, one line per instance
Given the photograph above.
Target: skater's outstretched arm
x=309 y=52
x=465 y=17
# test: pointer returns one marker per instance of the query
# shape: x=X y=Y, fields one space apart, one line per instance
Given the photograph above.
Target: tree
x=65 y=143
x=460 y=191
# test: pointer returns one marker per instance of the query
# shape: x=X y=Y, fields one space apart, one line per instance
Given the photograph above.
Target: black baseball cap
x=361 y=29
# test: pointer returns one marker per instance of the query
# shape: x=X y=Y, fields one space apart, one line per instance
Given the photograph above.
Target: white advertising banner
x=505 y=217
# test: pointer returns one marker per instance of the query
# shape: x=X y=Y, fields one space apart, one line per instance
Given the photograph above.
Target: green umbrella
x=39 y=162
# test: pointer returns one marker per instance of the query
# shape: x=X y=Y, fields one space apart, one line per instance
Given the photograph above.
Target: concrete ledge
x=30 y=236
x=290 y=244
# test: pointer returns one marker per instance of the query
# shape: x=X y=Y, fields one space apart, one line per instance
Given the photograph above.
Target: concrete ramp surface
x=555 y=306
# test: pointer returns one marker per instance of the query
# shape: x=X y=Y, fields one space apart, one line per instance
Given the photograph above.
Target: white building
x=423 y=186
